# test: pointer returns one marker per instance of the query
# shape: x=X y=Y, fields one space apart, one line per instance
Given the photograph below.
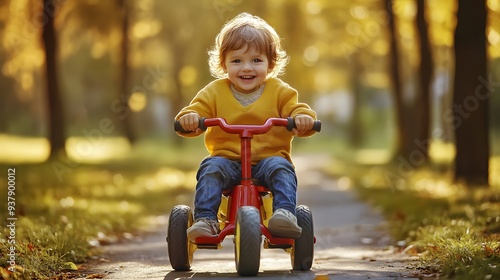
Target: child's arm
x=190 y=115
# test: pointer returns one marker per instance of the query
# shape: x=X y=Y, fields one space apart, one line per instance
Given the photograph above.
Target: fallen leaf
x=70 y=266
x=96 y=276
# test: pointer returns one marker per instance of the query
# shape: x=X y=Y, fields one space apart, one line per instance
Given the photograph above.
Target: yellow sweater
x=278 y=100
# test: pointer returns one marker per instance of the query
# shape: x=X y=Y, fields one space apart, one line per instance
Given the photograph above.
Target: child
x=246 y=58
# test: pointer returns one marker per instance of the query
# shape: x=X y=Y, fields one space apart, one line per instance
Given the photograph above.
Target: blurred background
x=131 y=65
x=407 y=90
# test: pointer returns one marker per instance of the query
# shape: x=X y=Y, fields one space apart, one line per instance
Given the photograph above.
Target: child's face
x=246 y=68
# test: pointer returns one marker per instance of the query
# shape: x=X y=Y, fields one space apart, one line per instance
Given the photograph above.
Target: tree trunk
x=356 y=131
x=57 y=137
x=124 y=92
x=426 y=70
x=471 y=95
x=402 y=137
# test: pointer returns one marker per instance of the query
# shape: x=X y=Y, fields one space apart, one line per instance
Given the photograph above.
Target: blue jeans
x=217 y=174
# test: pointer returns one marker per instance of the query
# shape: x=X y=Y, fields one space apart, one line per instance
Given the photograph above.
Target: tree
x=396 y=80
x=125 y=74
x=425 y=75
x=412 y=110
x=57 y=136
x=470 y=102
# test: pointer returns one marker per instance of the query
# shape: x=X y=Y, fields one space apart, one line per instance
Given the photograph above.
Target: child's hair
x=249 y=31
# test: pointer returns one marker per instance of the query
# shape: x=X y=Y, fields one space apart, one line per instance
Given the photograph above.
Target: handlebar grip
x=178 y=126
x=291 y=125
x=317 y=126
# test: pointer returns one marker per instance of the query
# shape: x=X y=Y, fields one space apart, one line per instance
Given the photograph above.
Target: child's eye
x=257 y=60
x=236 y=61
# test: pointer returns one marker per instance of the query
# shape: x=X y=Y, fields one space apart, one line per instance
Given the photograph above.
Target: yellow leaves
x=146 y=28
x=69 y=266
x=137 y=101
x=493 y=36
x=96 y=276
x=494 y=5
x=314 y=7
x=311 y=55
x=442 y=21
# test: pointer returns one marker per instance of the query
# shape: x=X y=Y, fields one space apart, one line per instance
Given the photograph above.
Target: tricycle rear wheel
x=180 y=249
x=247 y=239
x=303 y=248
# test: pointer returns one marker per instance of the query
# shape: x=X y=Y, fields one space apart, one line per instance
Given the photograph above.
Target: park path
x=352 y=242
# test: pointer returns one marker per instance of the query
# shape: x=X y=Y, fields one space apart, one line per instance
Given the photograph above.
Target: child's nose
x=247 y=66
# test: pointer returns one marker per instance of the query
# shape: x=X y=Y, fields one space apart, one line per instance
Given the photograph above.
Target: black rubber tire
x=180 y=249
x=303 y=248
x=247 y=239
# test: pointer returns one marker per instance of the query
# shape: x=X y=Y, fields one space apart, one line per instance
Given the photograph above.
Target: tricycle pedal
x=269 y=245
x=209 y=246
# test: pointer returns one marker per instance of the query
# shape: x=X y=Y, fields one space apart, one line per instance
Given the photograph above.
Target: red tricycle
x=244 y=212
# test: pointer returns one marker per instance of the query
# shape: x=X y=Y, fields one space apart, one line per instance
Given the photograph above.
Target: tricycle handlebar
x=244 y=129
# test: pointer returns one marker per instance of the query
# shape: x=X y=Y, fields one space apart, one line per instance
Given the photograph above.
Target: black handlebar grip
x=178 y=126
x=291 y=125
x=202 y=124
x=317 y=126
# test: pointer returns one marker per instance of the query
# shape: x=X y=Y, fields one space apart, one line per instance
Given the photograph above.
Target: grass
x=454 y=229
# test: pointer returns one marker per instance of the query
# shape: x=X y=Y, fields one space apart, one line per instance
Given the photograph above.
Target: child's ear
x=270 y=68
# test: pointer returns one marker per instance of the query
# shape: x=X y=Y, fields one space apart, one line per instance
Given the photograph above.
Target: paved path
x=351 y=243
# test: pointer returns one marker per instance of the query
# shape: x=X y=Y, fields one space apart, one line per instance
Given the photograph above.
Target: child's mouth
x=247 y=77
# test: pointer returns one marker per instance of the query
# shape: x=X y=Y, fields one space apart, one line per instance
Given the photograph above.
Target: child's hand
x=304 y=123
x=190 y=122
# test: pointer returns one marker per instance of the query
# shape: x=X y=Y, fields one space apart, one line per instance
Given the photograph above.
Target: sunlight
x=18 y=149
x=170 y=177
x=373 y=156
x=311 y=55
x=493 y=36
x=435 y=187
x=314 y=7
x=188 y=75
x=137 y=101
x=442 y=21
x=83 y=149
x=494 y=5
x=495 y=171
x=146 y=28
x=359 y=12
x=442 y=152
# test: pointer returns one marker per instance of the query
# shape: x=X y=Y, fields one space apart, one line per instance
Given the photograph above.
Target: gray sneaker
x=284 y=224
x=203 y=228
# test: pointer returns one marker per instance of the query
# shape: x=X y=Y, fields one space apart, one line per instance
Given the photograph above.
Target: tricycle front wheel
x=247 y=238
x=180 y=249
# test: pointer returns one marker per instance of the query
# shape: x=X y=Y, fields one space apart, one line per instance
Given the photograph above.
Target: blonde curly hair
x=246 y=30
